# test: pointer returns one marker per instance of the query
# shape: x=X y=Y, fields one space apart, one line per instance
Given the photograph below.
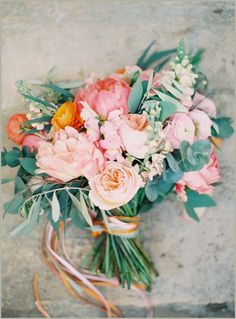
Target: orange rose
x=67 y=115
x=14 y=127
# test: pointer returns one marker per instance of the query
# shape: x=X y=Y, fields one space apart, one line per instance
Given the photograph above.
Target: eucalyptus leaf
x=225 y=128
x=166 y=98
x=29 y=164
x=167 y=109
x=172 y=162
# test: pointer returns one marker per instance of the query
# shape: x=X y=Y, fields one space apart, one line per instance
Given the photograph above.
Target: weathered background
x=196 y=261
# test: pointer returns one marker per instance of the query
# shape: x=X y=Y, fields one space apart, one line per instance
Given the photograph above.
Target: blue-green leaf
x=135 y=96
x=167 y=109
x=225 y=127
x=29 y=164
x=199 y=200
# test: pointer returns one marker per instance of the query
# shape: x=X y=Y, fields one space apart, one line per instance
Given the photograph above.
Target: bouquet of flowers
x=100 y=153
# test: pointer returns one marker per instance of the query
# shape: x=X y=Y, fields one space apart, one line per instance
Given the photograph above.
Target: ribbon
x=80 y=283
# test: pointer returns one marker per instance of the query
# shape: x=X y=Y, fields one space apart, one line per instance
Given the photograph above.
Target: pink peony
x=32 y=141
x=70 y=156
x=133 y=134
x=201 y=181
x=104 y=96
x=115 y=186
x=180 y=128
x=203 y=103
x=202 y=123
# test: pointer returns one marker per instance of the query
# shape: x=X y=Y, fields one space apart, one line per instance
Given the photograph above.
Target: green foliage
x=159 y=66
x=135 y=96
x=40 y=101
x=225 y=128
x=11 y=158
x=196 y=58
x=29 y=165
x=44 y=118
x=160 y=187
x=167 y=109
x=66 y=94
x=13 y=206
x=195 y=200
x=195 y=156
x=145 y=61
x=27 y=226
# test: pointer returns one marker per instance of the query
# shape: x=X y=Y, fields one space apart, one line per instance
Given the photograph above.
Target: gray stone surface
x=195 y=261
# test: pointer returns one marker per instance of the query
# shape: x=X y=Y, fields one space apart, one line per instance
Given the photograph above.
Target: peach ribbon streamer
x=80 y=280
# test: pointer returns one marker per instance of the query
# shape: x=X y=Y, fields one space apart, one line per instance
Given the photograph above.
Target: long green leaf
x=135 y=96
x=141 y=59
x=59 y=90
x=84 y=210
x=55 y=208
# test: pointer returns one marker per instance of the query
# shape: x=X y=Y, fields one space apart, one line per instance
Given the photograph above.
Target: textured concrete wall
x=195 y=260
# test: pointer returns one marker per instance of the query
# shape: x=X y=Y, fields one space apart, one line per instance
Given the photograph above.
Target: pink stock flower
x=70 y=156
x=180 y=128
x=201 y=181
x=115 y=186
x=202 y=124
x=32 y=141
x=204 y=104
x=133 y=134
x=104 y=96
x=111 y=141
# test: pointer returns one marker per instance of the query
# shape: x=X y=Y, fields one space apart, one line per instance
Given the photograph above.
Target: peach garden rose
x=115 y=186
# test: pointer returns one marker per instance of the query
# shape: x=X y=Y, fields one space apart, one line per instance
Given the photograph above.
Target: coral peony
x=180 y=128
x=70 y=156
x=115 y=186
x=133 y=134
x=14 y=127
x=104 y=96
x=67 y=115
x=201 y=181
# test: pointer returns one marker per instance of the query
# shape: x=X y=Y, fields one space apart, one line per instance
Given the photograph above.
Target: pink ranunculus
x=201 y=181
x=115 y=186
x=70 y=156
x=134 y=135
x=202 y=124
x=104 y=96
x=32 y=141
x=180 y=128
x=203 y=103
